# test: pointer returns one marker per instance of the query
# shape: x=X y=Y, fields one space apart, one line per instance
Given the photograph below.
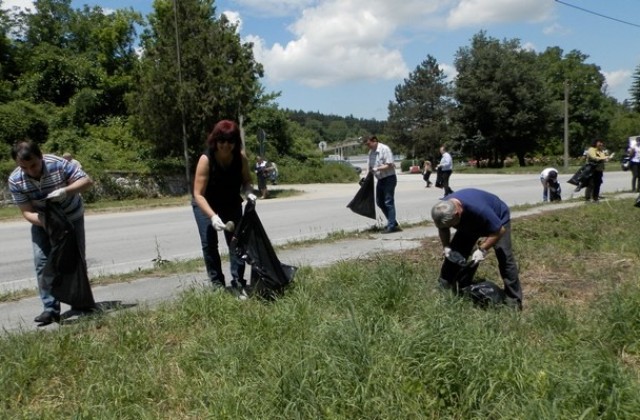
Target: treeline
x=509 y=101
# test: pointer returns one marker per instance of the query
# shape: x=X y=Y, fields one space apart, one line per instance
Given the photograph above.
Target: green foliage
x=502 y=98
x=635 y=90
x=19 y=120
x=419 y=118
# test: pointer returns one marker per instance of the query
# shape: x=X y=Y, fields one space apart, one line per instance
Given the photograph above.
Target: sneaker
x=238 y=292
x=47 y=317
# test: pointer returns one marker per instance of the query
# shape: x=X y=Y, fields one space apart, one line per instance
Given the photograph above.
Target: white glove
x=477 y=256
x=446 y=252
x=217 y=223
x=57 y=195
x=252 y=197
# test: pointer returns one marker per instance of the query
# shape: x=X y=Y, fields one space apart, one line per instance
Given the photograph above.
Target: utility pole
x=185 y=145
x=566 y=124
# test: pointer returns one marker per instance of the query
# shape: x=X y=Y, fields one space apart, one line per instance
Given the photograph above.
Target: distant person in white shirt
x=548 y=176
x=445 y=167
x=382 y=164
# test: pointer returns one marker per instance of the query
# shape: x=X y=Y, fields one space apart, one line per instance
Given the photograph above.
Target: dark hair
x=594 y=143
x=226 y=130
x=370 y=138
x=25 y=150
x=553 y=174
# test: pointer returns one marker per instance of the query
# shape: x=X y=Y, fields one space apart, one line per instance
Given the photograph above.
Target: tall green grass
x=371 y=338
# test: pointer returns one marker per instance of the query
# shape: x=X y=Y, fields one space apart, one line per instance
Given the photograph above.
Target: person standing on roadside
x=381 y=163
x=634 y=164
x=597 y=157
x=426 y=173
x=446 y=168
x=262 y=170
x=39 y=178
x=477 y=214
x=221 y=175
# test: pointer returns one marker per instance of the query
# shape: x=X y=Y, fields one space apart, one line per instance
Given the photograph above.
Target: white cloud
x=479 y=12
x=234 y=17
x=617 y=78
x=21 y=4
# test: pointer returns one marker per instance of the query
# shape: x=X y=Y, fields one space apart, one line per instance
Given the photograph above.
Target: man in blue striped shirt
x=39 y=178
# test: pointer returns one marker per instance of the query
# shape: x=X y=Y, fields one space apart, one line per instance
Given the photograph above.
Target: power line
x=598 y=14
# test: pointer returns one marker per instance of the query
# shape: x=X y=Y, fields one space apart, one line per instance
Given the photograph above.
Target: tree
x=590 y=109
x=635 y=90
x=503 y=102
x=215 y=77
x=419 y=118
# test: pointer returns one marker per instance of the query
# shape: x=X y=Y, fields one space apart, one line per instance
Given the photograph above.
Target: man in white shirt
x=382 y=165
x=445 y=167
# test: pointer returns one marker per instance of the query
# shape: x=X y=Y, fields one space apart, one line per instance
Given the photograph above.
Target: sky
x=345 y=57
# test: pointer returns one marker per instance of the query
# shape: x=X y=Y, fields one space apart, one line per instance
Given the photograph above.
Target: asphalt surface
x=17 y=316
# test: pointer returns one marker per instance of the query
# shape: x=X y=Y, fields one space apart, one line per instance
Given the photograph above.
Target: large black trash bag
x=269 y=277
x=66 y=270
x=461 y=273
x=582 y=176
x=364 y=202
x=555 y=192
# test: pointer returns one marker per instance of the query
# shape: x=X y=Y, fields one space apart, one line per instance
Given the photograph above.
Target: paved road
x=125 y=242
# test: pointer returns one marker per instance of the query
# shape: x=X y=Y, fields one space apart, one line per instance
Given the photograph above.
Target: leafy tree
x=503 y=102
x=420 y=115
x=589 y=107
x=635 y=90
x=215 y=77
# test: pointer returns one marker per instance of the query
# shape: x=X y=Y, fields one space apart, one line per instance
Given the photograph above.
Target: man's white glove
x=446 y=252
x=57 y=195
x=217 y=223
x=477 y=256
x=252 y=197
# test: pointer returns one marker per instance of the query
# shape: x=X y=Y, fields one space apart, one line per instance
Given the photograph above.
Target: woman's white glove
x=217 y=223
x=478 y=255
x=252 y=197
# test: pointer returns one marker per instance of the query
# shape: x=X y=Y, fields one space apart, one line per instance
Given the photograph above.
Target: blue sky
x=345 y=57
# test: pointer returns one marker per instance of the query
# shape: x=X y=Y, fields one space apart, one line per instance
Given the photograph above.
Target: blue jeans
x=41 y=251
x=209 y=241
x=385 y=192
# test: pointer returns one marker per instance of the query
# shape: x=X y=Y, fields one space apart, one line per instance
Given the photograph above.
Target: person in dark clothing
x=597 y=156
x=221 y=175
x=477 y=214
x=445 y=167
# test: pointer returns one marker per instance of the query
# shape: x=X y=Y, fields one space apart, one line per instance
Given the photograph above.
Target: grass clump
x=371 y=338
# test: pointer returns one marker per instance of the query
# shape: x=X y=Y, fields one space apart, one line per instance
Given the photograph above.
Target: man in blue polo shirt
x=477 y=214
x=39 y=178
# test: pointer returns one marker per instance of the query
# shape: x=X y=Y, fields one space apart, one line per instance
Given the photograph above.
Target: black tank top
x=223 y=188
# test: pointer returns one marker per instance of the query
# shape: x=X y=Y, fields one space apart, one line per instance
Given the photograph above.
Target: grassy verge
x=365 y=339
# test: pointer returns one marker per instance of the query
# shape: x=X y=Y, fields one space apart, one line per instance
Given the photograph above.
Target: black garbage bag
x=555 y=191
x=582 y=176
x=269 y=277
x=459 y=275
x=66 y=270
x=364 y=202
x=484 y=294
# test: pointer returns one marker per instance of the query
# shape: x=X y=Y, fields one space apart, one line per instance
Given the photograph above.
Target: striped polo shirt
x=56 y=173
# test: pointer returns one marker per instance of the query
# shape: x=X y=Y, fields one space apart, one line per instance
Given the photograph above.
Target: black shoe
x=392 y=230
x=238 y=292
x=47 y=317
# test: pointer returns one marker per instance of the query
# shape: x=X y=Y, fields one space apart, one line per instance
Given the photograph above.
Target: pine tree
x=635 y=90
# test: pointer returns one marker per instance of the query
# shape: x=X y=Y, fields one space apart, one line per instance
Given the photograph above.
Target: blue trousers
x=209 y=241
x=385 y=193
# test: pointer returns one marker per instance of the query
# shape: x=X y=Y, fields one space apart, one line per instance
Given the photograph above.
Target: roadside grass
x=371 y=338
